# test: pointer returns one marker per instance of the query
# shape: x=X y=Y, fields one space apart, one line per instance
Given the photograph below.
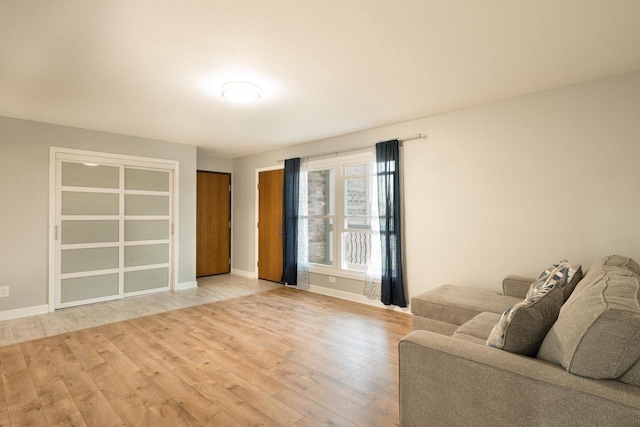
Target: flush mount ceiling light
x=241 y=92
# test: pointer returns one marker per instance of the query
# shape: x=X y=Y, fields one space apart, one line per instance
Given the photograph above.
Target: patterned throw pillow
x=522 y=328
x=567 y=276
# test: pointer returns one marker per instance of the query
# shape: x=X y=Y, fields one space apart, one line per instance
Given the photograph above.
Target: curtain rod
x=335 y=153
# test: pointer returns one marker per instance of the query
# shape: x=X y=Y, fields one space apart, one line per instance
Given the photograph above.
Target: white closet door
x=113 y=234
x=147 y=244
x=89 y=233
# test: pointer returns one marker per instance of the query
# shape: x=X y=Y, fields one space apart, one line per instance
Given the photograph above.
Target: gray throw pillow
x=522 y=328
x=597 y=334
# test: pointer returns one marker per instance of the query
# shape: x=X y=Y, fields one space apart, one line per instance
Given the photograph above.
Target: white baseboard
x=186 y=285
x=243 y=273
x=24 y=312
x=349 y=296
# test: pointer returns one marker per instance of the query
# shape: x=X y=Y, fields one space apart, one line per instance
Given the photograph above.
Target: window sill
x=332 y=271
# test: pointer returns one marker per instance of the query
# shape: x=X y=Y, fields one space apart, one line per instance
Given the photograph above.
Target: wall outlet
x=4 y=291
x=331 y=280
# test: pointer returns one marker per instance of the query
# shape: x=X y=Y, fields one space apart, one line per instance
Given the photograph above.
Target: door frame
x=56 y=153
x=257 y=212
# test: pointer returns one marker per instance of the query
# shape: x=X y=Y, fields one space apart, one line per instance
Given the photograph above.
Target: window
x=341 y=194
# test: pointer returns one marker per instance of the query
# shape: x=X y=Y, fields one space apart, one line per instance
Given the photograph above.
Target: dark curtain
x=388 y=168
x=290 y=202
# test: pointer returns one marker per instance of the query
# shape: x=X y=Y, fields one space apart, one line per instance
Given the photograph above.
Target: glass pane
x=143 y=280
x=321 y=241
x=89 y=231
x=146 y=205
x=357 y=196
x=320 y=192
x=148 y=180
x=78 y=203
x=361 y=169
x=75 y=260
x=356 y=250
x=153 y=229
x=146 y=254
x=81 y=175
x=82 y=288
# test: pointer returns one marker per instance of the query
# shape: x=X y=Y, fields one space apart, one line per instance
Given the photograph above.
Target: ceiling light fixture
x=241 y=92
x=90 y=164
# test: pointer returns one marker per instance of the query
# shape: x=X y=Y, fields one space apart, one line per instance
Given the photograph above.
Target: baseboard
x=187 y=285
x=349 y=296
x=243 y=273
x=24 y=312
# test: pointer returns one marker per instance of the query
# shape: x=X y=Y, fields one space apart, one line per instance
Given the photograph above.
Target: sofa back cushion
x=597 y=334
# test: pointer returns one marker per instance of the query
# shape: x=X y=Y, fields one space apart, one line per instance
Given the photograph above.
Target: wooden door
x=270 y=187
x=213 y=223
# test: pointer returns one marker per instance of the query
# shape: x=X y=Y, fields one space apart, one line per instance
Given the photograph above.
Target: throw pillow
x=522 y=328
x=568 y=276
x=597 y=332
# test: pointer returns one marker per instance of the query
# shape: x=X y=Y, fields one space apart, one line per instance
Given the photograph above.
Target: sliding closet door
x=89 y=233
x=147 y=247
x=113 y=231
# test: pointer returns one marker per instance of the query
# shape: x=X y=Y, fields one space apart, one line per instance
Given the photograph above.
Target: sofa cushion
x=597 y=334
x=632 y=376
x=568 y=276
x=469 y=338
x=480 y=326
x=459 y=304
x=522 y=328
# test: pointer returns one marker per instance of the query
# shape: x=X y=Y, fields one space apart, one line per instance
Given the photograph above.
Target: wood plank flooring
x=280 y=357
x=210 y=289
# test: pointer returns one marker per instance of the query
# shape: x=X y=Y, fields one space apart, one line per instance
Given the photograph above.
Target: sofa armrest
x=516 y=286
x=446 y=381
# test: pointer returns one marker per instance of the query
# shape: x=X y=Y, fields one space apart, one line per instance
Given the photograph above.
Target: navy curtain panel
x=388 y=168
x=290 y=202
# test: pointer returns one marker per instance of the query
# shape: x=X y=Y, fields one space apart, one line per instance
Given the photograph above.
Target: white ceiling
x=153 y=68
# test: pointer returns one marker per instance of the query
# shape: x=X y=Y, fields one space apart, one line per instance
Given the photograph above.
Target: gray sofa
x=449 y=377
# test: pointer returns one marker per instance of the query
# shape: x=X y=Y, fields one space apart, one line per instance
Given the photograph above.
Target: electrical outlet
x=4 y=291
x=332 y=279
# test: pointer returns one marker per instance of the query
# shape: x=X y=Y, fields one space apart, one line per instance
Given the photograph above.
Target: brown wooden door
x=270 y=186
x=213 y=223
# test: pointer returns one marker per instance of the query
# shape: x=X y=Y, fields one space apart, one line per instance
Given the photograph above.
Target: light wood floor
x=210 y=289
x=280 y=357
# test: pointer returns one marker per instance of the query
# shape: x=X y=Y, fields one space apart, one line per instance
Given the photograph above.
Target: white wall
x=24 y=186
x=502 y=188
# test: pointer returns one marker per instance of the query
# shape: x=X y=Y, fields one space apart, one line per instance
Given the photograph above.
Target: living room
x=529 y=112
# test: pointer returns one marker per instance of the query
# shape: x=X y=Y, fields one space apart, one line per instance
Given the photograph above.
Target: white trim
x=146 y=242
x=146 y=192
x=89 y=273
x=146 y=217
x=243 y=273
x=24 y=312
x=89 y=217
x=328 y=270
x=350 y=296
x=107 y=158
x=256 y=218
x=89 y=245
x=187 y=285
x=71 y=189
x=75 y=303
x=146 y=292
x=146 y=267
